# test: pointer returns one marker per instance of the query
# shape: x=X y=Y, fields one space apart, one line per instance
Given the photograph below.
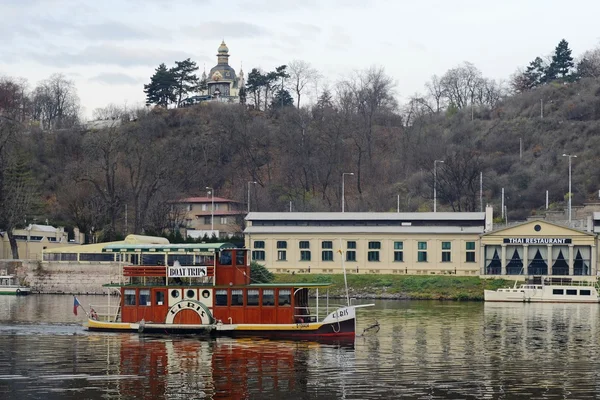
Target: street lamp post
x=570 y=194
x=435 y=184
x=343 y=190
x=250 y=182
x=212 y=208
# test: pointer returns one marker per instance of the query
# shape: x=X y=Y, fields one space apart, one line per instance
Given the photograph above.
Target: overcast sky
x=110 y=48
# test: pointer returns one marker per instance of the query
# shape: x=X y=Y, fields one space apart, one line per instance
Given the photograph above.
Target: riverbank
x=402 y=287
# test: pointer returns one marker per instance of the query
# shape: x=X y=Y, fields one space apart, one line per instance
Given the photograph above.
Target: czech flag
x=76 y=304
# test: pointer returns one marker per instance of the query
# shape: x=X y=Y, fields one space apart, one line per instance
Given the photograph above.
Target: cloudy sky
x=110 y=48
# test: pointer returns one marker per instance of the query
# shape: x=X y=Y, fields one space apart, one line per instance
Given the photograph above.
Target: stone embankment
x=63 y=278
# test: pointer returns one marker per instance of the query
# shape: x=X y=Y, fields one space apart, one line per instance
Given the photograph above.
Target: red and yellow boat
x=216 y=297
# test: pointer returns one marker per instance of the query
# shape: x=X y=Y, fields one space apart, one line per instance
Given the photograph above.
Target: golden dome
x=223 y=48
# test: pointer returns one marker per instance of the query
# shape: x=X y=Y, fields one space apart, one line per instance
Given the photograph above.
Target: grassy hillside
x=402 y=287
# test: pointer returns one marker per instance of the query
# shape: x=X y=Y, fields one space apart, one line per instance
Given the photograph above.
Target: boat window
x=144 y=297
x=268 y=297
x=129 y=297
x=160 y=298
x=184 y=259
x=174 y=293
x=237 y=297
x=585 y=292
x=558 y=291
x=572 y=292
x=515 y=290
x=239 y=257
x=221 y=297
x=252 y=297
x=225 y=257
x=190 y=293
x=285 y=297
x=539 y=287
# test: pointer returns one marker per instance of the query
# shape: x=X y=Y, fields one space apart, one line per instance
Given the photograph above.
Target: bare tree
x=301 y=74
x=461 y=83
x=437 y=92
x=55 y=103
x=589 y=64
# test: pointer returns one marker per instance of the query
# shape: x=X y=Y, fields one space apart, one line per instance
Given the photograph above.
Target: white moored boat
x=547 y=290
x=9 y=285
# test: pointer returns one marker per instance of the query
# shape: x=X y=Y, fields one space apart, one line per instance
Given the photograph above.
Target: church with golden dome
x=222 y=83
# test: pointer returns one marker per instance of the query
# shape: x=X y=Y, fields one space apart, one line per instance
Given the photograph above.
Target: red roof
x=219 y=212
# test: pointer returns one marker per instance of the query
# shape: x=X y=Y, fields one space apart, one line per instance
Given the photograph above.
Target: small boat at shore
x=9 y=285
x=547 y=289
x=216 y=297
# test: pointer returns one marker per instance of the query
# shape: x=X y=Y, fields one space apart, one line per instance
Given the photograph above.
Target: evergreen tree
x=535 y=74
x=325 y=99
x=162 y=86
x=562 y=62
x=186 y=80
x=282 y=98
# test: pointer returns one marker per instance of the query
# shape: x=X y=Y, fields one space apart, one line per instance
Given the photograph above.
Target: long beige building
x=386 y=243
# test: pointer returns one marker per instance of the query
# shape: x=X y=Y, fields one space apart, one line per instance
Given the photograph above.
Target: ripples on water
x=424 y=350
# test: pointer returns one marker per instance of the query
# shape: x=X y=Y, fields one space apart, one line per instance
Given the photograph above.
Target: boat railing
x=555 y=281
x=105 y=313
x=306 y=314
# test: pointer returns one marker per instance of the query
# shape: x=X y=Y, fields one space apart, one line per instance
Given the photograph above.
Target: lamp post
x=435 y=184
x=250 y=182
x=570 y=194
x=343 y=190
x=212 y=207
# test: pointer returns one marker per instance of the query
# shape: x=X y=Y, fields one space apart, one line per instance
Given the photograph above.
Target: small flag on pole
x=76 y=304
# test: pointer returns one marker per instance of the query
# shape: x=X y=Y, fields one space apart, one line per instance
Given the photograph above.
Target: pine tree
x=282 y=98
x=535 y=74
x=162 y=86
x=562 y=62
x=186 y=80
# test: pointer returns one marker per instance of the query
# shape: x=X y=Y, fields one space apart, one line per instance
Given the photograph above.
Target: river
x=424 y=350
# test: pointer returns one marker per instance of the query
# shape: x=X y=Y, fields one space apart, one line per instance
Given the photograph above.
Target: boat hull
x=544 y=295
x=15 y=291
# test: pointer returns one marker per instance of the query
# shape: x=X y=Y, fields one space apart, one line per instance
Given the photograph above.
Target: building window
x=259 y=244
x=281 y=255
x=304 y=255
x=223 y=220
x=252 y=297
x=327 y=255
x=268 y=298
x=258 y=255
x=422 y=253
x=204 y=207
x=281 y=244
x=446 y=253
x=398 y=251
x=327 y=244
x=373 y=256
x=189 y=207
x=375 y=245
x=304 y=244
x=351 y=255
x=207 y=220
x=470 y=252
x=351 y=244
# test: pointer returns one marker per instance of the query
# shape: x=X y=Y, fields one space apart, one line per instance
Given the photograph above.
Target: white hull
x=545 y=294
x=15 y=290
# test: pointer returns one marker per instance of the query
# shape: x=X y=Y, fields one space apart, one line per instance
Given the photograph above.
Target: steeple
x=223 y=54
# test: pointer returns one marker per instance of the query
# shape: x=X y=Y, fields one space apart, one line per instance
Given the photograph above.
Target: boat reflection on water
x=159 y=367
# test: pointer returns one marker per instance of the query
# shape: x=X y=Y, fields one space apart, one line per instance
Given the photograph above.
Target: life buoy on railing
x=18 y=291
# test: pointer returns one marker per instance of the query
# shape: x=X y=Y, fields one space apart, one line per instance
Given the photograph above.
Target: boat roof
x=6 y=276
x=111 y=248
x=297 y=285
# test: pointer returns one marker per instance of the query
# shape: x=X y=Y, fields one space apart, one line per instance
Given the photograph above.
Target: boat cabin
x=216 y=288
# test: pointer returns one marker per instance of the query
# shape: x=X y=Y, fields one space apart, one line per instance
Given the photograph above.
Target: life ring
x=18 y=291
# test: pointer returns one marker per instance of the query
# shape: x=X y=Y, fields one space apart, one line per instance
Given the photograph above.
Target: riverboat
x=218 y=298
x=547 y=289
x=9 y=285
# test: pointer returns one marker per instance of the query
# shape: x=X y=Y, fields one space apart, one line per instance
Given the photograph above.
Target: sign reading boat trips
x=186 y=272
x=537 y=241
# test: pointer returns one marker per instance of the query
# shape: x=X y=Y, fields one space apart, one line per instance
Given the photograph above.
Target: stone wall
x=65 y=278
